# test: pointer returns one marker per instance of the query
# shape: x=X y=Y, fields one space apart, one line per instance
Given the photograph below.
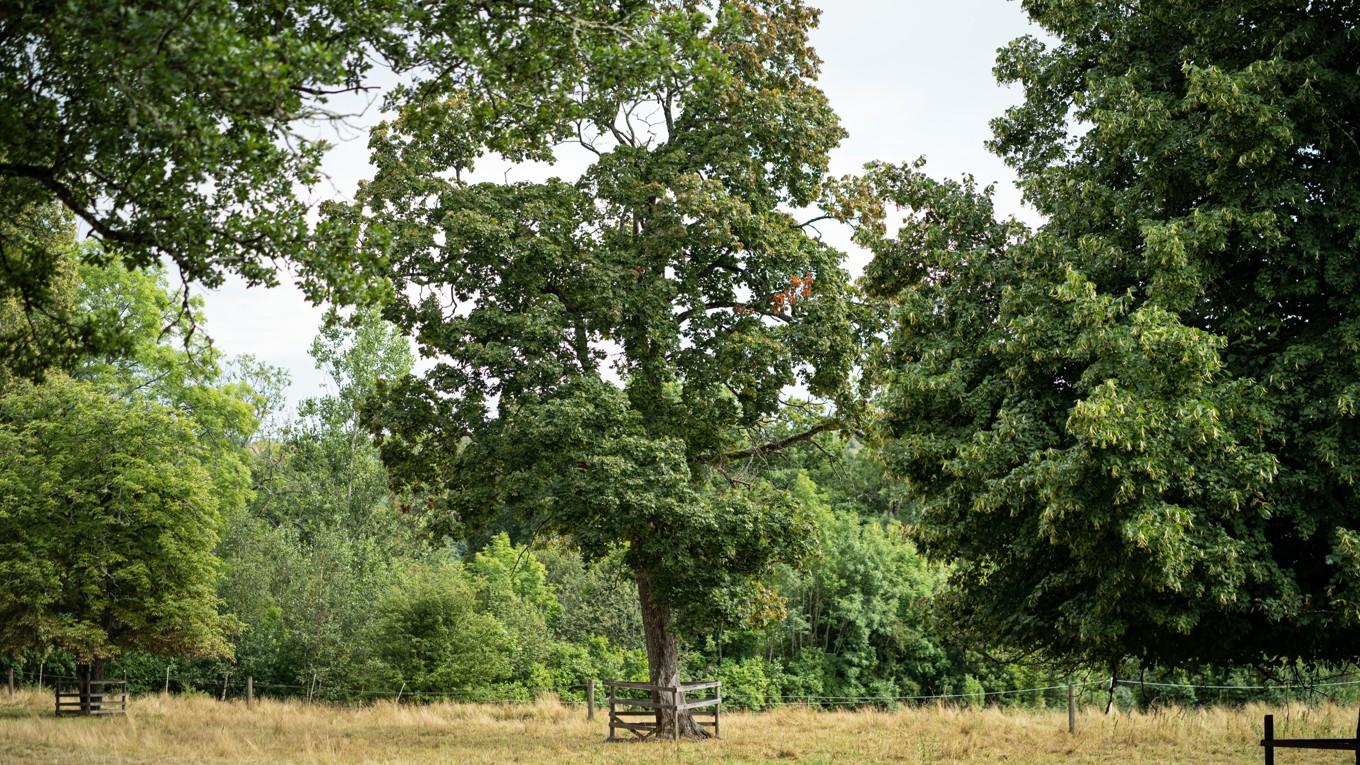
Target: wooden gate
x=106 y=697
x=641 y=715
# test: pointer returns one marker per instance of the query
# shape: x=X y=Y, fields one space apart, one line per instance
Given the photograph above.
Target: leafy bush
x=429 y=634
x=750 y=683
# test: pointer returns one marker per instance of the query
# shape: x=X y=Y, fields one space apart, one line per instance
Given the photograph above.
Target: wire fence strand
x=232 y=686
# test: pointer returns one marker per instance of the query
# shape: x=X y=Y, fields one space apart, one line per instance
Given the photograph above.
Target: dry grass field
x=200 y=730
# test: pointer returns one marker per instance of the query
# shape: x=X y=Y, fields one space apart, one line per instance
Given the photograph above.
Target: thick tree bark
x=83 y=685
x=85 y=675
x=663 y=660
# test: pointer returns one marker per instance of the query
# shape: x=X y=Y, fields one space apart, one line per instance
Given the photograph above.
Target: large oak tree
x=607 y=350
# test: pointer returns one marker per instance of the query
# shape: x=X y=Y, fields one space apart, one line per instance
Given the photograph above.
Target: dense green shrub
x=429 y=634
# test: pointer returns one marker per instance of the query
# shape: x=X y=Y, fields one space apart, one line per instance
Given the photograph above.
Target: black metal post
x=1268 y=741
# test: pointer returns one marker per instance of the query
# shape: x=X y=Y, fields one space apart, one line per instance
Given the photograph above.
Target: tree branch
x=774 y=446
x=817 y=219
x=47 y=177
x=310 y=91
x=685 y=315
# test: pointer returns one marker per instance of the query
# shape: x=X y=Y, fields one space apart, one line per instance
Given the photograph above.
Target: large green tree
x=181 y=131
x=115 y=471
x=607 y=350
x=109 y=514
x=1133 y=429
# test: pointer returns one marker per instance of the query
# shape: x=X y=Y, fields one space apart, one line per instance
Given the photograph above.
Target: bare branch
x=774 y=446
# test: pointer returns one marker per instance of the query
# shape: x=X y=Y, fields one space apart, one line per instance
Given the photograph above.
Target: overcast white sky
x=909 y=78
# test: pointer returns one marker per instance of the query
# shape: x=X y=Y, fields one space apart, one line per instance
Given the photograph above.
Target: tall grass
x=177 y=729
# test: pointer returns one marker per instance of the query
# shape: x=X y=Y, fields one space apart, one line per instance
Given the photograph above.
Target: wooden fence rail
x=105 y=697
x=631 y=713
x=1270 y=743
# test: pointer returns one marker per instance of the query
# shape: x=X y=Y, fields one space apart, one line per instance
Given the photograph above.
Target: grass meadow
x=178 y=729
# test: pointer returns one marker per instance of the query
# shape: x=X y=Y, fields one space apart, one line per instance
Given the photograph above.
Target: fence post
x=10 y=683
x=167 y=679
x=675 y=712
x=717 y=710
x=225 y=679
x=590 y=699
x=611 y=711
x=400 y=691
x=250 y=690
x=311 y=688
x=1071 y=709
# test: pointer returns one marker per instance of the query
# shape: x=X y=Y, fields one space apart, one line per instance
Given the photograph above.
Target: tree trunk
x=663 y=662
x=83 y=686
x=86 y=674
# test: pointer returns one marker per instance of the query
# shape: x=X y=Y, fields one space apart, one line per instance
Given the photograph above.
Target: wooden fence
x=1270 y=743
x=629 y=711
x=106 y=697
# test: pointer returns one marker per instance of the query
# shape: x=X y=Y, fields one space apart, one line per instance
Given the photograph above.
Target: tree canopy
x=322 y=469
x=185 y=132
x=109 y=516
x=40 y=328
x=1132 y=429
x=1127 y=431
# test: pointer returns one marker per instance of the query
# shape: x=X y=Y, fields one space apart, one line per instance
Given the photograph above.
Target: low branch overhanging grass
x=199 y=729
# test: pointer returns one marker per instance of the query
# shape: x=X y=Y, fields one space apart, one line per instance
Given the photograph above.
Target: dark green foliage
x=175 y=114
x=861 y=619
x=1131 y=430
x=429 y=635
x=38 y=326
x=176 y=131
x=305 y=600
x=584 y=462
x=598 y=598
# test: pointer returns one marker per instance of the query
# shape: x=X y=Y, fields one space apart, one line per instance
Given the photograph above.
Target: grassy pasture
x=202 y=730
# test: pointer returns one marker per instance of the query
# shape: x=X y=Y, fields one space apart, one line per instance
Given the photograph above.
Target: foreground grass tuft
x=197 y=729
